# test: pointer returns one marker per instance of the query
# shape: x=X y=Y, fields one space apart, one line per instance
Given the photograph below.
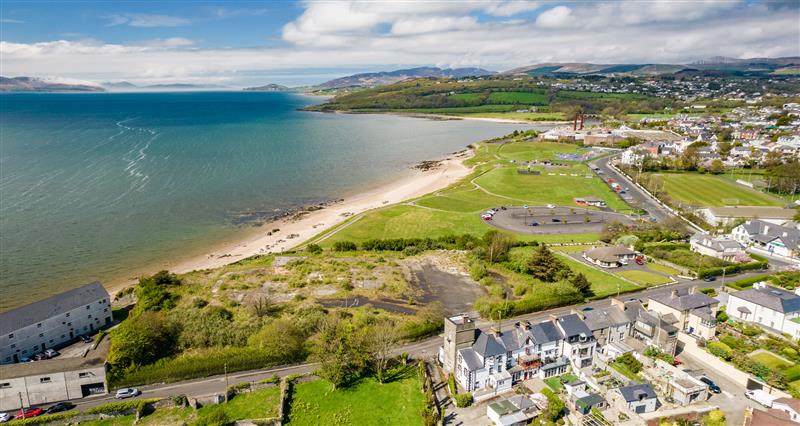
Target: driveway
x=635 y=196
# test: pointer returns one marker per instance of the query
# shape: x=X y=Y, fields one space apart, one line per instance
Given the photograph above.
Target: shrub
x=463 y=400
x=633 y=364
x=120 y=406
x=313 y=249
x=45 y=419
x=720 y=350
x=344 y=246
x=451 y=384
x=708 y=291
x=477 y=270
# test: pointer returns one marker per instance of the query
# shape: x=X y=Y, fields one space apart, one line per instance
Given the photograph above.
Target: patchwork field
x=709 y=191
x=397 y=402
x=495 y=182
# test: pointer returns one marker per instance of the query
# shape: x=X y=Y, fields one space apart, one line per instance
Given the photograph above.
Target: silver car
x=127 y=393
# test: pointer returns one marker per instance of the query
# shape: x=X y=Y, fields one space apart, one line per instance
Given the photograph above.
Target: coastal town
x=605 y=270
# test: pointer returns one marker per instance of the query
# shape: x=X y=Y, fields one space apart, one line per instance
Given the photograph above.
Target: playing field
x=495 y=182
x=710 y=191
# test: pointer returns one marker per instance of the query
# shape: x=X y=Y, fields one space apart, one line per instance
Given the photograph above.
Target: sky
x=241 y=43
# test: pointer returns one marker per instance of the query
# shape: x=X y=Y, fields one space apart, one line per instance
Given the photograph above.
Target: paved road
x=639 y=198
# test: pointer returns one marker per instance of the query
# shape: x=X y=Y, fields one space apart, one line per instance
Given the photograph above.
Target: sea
x=109 y=186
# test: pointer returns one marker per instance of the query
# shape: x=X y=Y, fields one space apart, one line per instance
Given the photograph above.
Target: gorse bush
x=720 y=350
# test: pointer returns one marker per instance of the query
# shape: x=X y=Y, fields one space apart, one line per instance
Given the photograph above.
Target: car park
x=61 y=406
x=127 y=393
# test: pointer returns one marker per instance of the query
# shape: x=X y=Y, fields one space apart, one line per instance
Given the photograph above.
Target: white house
x=789 y=406
x=767 y=306
x=517 y=410
x=579 y=342
x=639 y=398
x=721 y=248
x=781 y=240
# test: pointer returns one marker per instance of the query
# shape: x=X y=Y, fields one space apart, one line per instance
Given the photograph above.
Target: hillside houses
x=767 y=236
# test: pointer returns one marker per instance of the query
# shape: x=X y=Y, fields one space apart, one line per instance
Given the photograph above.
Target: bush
x=477 y=270
x=451 y=384
x=746 y=283
x=313 y=249
x=120 y=406
x=47 y=418
x=720 y=350
x=633 y=364
x=708 y=291
x=344 y=246
x=463 y=400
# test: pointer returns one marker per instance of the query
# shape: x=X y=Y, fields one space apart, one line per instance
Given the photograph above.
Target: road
x=428 y=348
x=639 y=198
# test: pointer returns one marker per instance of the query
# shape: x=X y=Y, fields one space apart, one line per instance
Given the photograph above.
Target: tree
x=313 y=248
x=545 y=266
x=340 y=351
x=716 y=167
x=152 y=293
x=581 y=284
x=141 y=340
x=382 y=338
x=498 y=245
x=282 y=339
x=785 y=178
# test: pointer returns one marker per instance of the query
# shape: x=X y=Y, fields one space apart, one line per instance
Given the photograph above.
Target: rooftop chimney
x=693 y=290
x=674 y=293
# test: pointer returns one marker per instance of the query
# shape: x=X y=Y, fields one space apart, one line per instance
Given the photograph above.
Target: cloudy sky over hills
x=237 y=43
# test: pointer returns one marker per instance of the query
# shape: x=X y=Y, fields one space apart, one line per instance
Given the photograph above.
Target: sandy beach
x=302 y=229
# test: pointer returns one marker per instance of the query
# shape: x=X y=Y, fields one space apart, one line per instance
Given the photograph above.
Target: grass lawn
x=571 y=249
x=398 y=402
x=625 y=371
x=603 y=283
x=709 y=190
x=662 y=268
x=771 y=361
x=555 y=382
x=644 y=278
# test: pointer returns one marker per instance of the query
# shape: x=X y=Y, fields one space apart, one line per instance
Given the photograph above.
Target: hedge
x=745 y=283
x=463 y=400
x=47 y=418
x=720 y=350
x=121 y=406
x=732 y=269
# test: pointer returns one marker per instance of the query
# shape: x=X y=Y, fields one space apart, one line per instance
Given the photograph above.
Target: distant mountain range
x=128 y=86
x=373 y=79
x=32 y=84
x=712 y=66
x=272 y=87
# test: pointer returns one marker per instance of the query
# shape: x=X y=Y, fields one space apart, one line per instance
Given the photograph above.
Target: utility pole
x=226 y=382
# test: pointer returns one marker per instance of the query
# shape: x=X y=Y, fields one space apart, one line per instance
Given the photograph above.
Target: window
x=11 y=336
x=44 y=380
x=51 y=340
x=89 y=316
x=88 y=307
x=39 y=325
x=67 y=314
x=41 y=334
x=5 y=385
x=83 y=375
x=69 y=324
x=13 y=345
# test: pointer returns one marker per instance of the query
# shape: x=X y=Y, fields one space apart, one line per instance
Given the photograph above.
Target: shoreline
x=445 y=117
x=301 y=226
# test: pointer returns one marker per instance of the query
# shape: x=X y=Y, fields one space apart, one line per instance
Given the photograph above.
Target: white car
x=491 y=211
x=551 y=206
x=128 y=393
x=4 y=417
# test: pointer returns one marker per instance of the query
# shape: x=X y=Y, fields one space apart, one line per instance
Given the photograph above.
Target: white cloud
x=10 y=21
x=512 y=7
x=396 y=34
x=143 y=20
x=559 y=16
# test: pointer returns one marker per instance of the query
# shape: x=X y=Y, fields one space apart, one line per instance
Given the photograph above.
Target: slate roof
x=716 y=244
x=487 y=344
x=609 y=254
x=572 y=325
x=764 y=232
x=653 y=321
x=471 y=359
x=770 y=297
x=590 y=401
x=684 y=301
x=545 y=332
x=598 y=319
x=637 y=392
x=37 y=312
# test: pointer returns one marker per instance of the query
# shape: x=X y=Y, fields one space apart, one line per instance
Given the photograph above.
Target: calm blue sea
x=108 y=186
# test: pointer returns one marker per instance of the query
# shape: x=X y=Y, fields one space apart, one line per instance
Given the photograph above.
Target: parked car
x=709 y=279
x=486 y=217
x=711 y=385
x=556 y=220
x=51 y=353
x=39 y=357
x=4 y=417
x=61 y=406
x=28 y=414
x=551 y=206
x=639 y=261
x=610 y=181
x=491 y=211
x=85 y=338
x=676 y=361
x=23 y=358
x=127 y=393
x=534 y=224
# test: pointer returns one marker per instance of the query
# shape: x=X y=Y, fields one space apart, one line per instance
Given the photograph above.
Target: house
x=721 y=216
x=489 y=362
x=639 y=398
x=790 y=406
x=771 y=417
x=694 y=312
x=53 y=322
x=586 y=404
x=579 y=343
x=767 y=306
x=654 y=331
x=608 y=325
x=590 y=201
x=49 y=381
x=609 y=257
x=721 y=248
x=515 y=411
x=766 y=236
x=679 y=385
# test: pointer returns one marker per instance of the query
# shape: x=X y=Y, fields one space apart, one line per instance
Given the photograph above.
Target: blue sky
x=242 y=43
